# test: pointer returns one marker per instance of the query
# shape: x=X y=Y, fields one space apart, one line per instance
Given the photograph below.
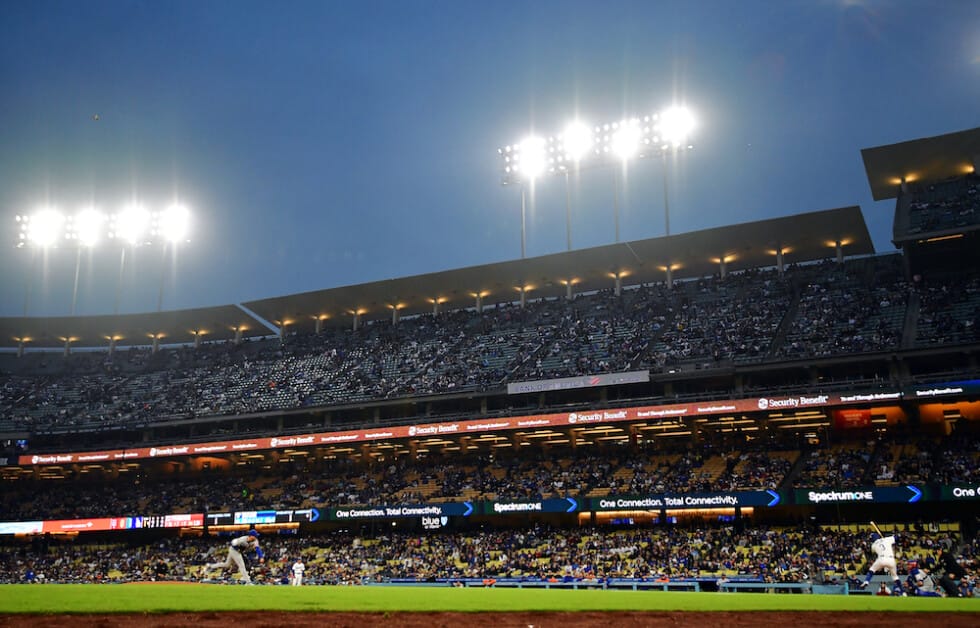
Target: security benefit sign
x=448 y=509
x=731 y=499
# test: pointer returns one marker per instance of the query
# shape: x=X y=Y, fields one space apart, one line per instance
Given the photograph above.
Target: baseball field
x=203 y=605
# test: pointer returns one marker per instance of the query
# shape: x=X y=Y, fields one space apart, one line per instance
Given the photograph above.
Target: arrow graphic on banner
x=775 y=497
x=469 y=509
x=574 y=505
x=916 y=493
x=314 y=514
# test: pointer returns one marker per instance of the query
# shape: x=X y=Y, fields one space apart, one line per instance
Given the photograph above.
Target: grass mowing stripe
x=162 y=598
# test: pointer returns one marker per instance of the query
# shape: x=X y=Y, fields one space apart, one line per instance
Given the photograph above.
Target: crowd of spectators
x=536 y=552
x=745 y=316
x=843 y=466
x=533 y=473
x=852 y=308
x=943 y=206
x=949 y=310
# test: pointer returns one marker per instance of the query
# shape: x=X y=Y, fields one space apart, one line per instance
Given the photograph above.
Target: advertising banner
x=681 y=500
x=852 y=418
x=422 y=431
x=875 y=495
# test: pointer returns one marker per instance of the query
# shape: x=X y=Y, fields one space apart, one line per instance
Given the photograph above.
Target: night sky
x=323 y=144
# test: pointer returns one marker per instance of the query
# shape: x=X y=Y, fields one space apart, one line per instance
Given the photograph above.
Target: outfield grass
x=162 y=598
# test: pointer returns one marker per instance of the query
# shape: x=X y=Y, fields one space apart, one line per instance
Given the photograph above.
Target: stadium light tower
x=131 y=227
x=86 y=229
x=577 y=143
x=41 y=230
x=611 y=144
x=526 y=160
x=173 y=227
x=675 y=127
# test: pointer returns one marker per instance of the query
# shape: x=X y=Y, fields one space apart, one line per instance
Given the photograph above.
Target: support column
x=568 y=291
x=318 y=325
x=435 y=307
x=394 y=314
x=156 y=342
x=523 y=292
x=357 y=320
x=67 y=347
x=20 y=348
x=112 y=345
x=722 y=267
x=618 y=289
x=779 y=260
x=840 y=252
x=670 y=276
x=197 y=340
x=479 y=303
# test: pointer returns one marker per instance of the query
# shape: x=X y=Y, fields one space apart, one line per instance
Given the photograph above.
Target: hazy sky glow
x=322 y=144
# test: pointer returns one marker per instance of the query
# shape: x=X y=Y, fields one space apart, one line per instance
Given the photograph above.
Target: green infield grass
x=164 y=598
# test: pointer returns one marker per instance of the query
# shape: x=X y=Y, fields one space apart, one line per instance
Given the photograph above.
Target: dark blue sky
x=324 y=144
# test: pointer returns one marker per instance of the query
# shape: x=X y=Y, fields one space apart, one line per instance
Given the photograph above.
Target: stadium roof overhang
x=927 y=159
x=173 y=327
x=803 y=238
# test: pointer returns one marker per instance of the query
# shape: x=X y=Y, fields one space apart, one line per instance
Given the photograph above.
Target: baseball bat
x=875 y=526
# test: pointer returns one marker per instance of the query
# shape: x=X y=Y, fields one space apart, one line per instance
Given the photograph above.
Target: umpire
x=951 y=572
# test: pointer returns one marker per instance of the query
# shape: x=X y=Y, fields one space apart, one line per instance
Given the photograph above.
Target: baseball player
x=239 y=545
x=884 y=549
x=921 y=582
x=298 y=569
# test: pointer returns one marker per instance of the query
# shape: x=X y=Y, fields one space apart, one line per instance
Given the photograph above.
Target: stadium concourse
x=736 y=403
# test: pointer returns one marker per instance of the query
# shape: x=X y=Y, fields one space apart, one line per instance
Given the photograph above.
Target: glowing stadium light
x=625 y=142
x=533 y=157
x=676 y=125
x=173 y=223
x=88 y=227
x=43 y=228
x=132 y=224
x=577 y=141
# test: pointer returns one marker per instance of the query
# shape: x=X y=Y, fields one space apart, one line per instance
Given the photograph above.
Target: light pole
x=523 y=221
x=86 y=229
x=131 y=227
x=172 y=226
x=674 y=127
x=39 y=231
x=525 y=160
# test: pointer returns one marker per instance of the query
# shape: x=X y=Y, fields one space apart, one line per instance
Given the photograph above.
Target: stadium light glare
x=88 y=226
x=44 y=227
x=577 y=140
x=132 y=224
x=625 y=142
x=533 y=157
x=676 y=125
x=173 y=223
